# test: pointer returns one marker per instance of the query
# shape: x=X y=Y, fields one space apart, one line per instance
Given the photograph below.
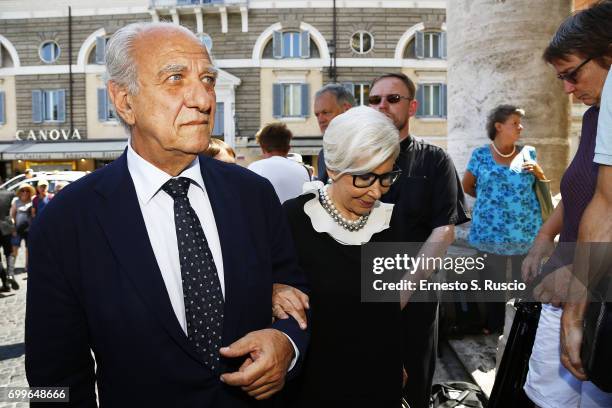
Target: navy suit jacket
x=94 y=284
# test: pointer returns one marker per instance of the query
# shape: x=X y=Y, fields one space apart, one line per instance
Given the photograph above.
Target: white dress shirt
x=158 y=212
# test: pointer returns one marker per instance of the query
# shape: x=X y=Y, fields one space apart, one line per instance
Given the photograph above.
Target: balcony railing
x=178 y=3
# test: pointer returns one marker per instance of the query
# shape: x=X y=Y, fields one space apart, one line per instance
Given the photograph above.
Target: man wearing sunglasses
x=429 y=202
x=581 y=54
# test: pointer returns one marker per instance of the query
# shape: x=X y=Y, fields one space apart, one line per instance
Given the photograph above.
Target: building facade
x=272 y=56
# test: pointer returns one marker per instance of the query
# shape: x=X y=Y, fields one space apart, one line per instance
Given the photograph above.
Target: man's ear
x=412 y=107
x=122 y=101
x=346 y=106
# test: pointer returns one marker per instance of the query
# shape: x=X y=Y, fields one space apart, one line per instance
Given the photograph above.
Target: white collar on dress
x=379 y=219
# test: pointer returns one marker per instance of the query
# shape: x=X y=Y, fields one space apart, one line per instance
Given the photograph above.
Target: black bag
x=596 y=351
x=23 y=228
x=510 y=378
x=457 y=394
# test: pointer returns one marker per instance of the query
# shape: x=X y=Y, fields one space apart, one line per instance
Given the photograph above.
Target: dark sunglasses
x=571 y=76
x=391 y=99
x=367 y=179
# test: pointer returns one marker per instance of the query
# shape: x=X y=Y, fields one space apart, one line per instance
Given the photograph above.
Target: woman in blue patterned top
x=506 y=215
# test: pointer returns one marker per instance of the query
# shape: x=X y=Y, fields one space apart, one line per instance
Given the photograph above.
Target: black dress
x=354 y=357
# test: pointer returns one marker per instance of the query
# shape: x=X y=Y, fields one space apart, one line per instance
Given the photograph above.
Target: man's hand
x=269 y=353
x=287 y=300
x=571 y=338
x=554 y=287
x=531 y=265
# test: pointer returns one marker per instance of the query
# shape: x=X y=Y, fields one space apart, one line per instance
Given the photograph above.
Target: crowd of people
x=17 y=213
x=169 y=266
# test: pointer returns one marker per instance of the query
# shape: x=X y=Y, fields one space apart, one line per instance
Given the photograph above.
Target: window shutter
x=350 y=87
x=2 y=109
x=219 y=128
x=420 y=100
x=419 y=45
x=102 y=105
x=277 y=44
x=442 y=45
x=277 y=100
x=443 y=103
x=100 y=50
x=37 y=106
x=61 y=105
x=305 y=44
x=305 y=101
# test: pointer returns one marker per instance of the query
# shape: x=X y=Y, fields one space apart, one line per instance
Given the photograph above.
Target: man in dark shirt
x=429 y=202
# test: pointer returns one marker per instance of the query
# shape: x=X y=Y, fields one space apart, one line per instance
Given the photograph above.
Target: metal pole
x=70 y=88
x=333 y=73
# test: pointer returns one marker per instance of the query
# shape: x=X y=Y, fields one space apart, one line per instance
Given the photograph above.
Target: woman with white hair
x=354 y=352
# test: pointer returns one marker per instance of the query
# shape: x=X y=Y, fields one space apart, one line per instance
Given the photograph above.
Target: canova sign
x=43 y=135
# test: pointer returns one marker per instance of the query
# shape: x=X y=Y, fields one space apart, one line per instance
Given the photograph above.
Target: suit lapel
x=127 y=235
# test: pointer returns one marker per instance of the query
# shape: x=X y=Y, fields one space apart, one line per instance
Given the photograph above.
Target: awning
x=89 y=149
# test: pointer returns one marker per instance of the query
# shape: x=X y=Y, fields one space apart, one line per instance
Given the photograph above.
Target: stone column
x=494 y=57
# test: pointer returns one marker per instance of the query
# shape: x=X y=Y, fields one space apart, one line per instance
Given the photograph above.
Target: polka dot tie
x=201 y=286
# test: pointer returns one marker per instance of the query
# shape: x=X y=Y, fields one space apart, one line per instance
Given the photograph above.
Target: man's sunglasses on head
x=391 y=98
x=571 y=76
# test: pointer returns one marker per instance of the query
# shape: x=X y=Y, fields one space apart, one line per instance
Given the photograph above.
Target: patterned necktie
x=201 y=286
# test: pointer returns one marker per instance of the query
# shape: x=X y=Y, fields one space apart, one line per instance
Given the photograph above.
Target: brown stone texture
x=25 y=84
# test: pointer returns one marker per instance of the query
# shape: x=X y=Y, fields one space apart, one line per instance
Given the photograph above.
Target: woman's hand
x=542 y=248
x=554 y=286
x=289 y=301
x=535 y=169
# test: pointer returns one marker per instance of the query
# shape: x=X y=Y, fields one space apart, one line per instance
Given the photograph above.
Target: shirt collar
x=406 y=143
x=148 y=179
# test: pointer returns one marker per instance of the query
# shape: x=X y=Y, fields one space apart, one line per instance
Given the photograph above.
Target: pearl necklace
x=331 y=209
x=501 y=154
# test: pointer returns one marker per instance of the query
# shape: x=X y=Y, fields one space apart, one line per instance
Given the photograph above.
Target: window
x=362 y=42
x=101 y=43
x=291 y=44
x=290 y=100
x=2 y=108
x=219 y=128
x=106 y=110
x=432 y=100
x=361 y=93
x=49 y=51
x=49 y=106
x=430 y=44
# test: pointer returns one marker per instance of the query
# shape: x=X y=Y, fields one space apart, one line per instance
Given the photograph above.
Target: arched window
x=291 y=44
x=427 y=44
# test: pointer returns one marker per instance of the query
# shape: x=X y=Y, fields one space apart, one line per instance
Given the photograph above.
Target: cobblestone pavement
x=12 y=318
x=12 y=353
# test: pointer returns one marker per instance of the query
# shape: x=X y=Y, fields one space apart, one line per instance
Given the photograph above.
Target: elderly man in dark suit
x=162 y=263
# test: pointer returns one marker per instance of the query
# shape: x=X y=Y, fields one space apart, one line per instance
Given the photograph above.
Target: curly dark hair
x=500 y=114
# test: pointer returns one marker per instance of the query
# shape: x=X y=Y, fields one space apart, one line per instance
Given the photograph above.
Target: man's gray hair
x=120 y=65
x=340 y=92
x=359 y=140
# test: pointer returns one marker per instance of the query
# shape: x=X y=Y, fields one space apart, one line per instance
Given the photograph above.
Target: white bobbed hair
x=359 y=140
